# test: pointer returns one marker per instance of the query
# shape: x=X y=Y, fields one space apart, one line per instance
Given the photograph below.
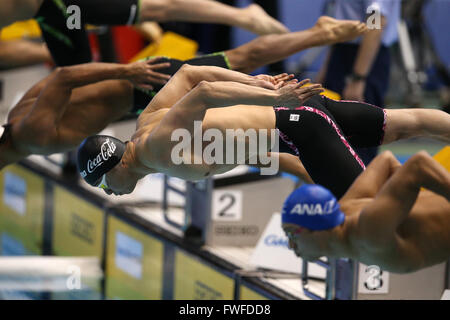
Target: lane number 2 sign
x=227 y=205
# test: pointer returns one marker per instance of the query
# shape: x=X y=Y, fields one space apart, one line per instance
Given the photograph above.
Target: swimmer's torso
x=90 y=109
x=428 y=227
x=236 y=117
x=423 y=239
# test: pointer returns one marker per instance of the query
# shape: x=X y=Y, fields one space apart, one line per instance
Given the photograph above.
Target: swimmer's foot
x=334 y=31
x=261 y=23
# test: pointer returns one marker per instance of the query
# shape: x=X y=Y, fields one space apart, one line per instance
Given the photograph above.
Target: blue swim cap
x=313 y=207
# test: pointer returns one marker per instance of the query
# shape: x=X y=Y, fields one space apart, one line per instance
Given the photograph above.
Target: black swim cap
x=97 y=155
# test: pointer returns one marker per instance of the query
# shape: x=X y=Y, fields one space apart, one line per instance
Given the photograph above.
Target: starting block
x=443 y=157
x=331 y=94
x=20 y=30
x=171 y=45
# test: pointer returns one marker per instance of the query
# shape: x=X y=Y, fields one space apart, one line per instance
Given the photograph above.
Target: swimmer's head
x=98 y=156
x=308 y=213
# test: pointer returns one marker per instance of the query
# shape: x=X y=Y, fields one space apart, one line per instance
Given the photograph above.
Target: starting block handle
x=197 y=205
x=165 y=202
x=305 y=279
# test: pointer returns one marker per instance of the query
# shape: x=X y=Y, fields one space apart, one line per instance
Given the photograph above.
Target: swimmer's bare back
x=69 y=105
x=393 y=222
x=89 y=109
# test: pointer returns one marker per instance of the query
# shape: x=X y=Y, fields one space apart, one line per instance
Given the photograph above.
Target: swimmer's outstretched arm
x=193 y=106
x=49 y=108
x=224 y=94
x=253 y=18
x=391 y=207
x=188 y=76
x=288 y=163
x=140 y=73
x=292 y=164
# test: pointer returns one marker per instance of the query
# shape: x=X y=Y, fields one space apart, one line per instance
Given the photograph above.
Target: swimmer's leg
x=366 y=125
x=253 y=18
x=273 y=48
x=20 y=53
x=322 y=148
x=118 y=12
x=362 y=123
x=408 y=123
x=67 y=46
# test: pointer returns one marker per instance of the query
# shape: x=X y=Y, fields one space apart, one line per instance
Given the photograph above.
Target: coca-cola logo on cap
x=106 y=152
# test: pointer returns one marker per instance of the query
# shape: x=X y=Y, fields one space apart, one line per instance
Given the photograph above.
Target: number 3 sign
x=373 y=280
x=227 y=205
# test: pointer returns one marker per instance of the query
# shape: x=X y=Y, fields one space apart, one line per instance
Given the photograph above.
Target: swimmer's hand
x=143 y=74
x=292 y=95
x=273 y=82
